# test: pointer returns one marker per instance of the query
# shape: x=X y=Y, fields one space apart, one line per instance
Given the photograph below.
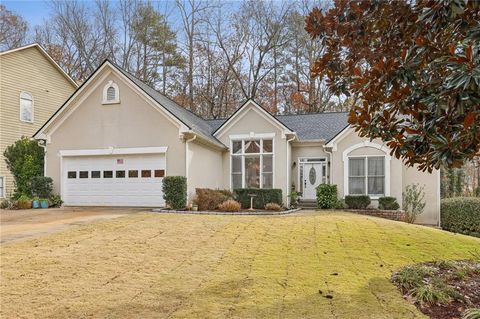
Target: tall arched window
x=26 y=107
x=111 y=94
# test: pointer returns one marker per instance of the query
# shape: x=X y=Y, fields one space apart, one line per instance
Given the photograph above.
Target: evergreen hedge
x=357 y=201
x=388 y=203
x=327 y=196
x=461 y=215
x=175 y=191
x=263 y=197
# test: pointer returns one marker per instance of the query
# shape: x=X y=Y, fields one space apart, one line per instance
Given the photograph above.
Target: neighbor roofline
x=44 y=53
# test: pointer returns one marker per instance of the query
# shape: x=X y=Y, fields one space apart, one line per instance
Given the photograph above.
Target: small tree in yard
x=413 y=202
x=413 y=68
x=25 y=160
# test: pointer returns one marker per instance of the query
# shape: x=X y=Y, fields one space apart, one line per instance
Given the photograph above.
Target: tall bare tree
x=13 y=29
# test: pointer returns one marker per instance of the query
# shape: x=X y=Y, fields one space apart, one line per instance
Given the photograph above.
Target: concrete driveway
x=25 y=224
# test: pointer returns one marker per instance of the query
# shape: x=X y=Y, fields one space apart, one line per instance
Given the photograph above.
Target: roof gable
x=241 y=111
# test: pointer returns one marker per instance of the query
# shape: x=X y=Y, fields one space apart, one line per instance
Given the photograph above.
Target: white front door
x=312 y=177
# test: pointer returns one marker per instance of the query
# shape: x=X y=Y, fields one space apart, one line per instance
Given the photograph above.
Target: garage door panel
x=116 y=191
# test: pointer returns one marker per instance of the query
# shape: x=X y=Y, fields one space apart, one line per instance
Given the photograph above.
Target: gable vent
x=111 y=94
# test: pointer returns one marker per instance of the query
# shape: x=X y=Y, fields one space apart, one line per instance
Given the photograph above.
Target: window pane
x=120 y=174
x=83 y=174
x=1 y=187
x=252 y=171
x=132 y=174
x=356 y=167
x=267 y=180
x=72 y=174
x=107 y=174
x=252 y=146
x=237 y=147
x=236 y=164
x=376 y=185
x=376 y=166
x=95 y=174
x=159 y=173
x=267 y=163
x=356 y=185
x=267 y=146
x=146 y=173
x=26 y=109
x=236 y=181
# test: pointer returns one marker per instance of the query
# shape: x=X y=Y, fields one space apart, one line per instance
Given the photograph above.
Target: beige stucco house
x=115 y=138
x=32 y=88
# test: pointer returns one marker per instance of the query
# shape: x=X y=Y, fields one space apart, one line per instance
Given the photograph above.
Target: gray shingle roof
x=318 y=126
x=194 y=122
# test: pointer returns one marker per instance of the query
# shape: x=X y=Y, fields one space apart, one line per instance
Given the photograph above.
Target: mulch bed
x=468 y=287
x=242 y=212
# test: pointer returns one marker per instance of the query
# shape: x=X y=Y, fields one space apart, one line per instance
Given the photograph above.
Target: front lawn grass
x=310 y=265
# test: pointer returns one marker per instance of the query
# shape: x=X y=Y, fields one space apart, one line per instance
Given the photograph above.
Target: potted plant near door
x=36 y=202
x=44 y=203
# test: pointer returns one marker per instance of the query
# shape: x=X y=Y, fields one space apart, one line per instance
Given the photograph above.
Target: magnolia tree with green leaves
x=25 y=159
x=414 y=67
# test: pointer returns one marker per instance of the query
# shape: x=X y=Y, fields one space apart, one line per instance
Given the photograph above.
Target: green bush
x=55 y=201
x=210 y=199
x=327 y=196
x=175 y=191
x=461 y=215
x=263 y=197
x=413 y=202
x=388 y=203
x=25 y=160
x=357 y=201
x=41 y=186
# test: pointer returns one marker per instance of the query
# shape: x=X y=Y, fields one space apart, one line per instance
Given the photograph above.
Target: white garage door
x=114 y=180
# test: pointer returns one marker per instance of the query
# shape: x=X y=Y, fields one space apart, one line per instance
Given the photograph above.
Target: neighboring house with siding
x=32 y=88
x=115 y=138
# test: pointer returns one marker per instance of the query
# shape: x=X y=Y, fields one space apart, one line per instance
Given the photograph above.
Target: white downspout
x=186 y=160
x=288 y=171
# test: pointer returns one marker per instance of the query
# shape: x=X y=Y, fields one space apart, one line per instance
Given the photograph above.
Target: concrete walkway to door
x=26 y=224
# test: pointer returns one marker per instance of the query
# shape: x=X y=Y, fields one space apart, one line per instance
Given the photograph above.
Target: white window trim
x=346 y=158
x=2 y=194
x=243 y=137
x=20 y=107
x=117 y=93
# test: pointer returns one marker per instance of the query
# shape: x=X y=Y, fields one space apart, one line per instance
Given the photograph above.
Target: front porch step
x=309 y=204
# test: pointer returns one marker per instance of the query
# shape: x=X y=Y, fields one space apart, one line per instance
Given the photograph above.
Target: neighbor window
x=26 y=107
x=2 y=190
x=366 y=175
x=252 y=163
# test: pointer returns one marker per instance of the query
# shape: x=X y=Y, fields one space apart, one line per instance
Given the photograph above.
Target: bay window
x=366 y=175
x=252 y=163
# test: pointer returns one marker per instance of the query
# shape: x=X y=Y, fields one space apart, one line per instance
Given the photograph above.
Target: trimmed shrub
x=24 y=202
x=230 y=206
x=41 y=186
x=210 y=199
x=263 y=197
x=357 y=201
x=461 y=215
x=175 y=191
x=293 y=199
x=327 y=196
x=55 y=201
x=388 y=203
x=273 y=206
